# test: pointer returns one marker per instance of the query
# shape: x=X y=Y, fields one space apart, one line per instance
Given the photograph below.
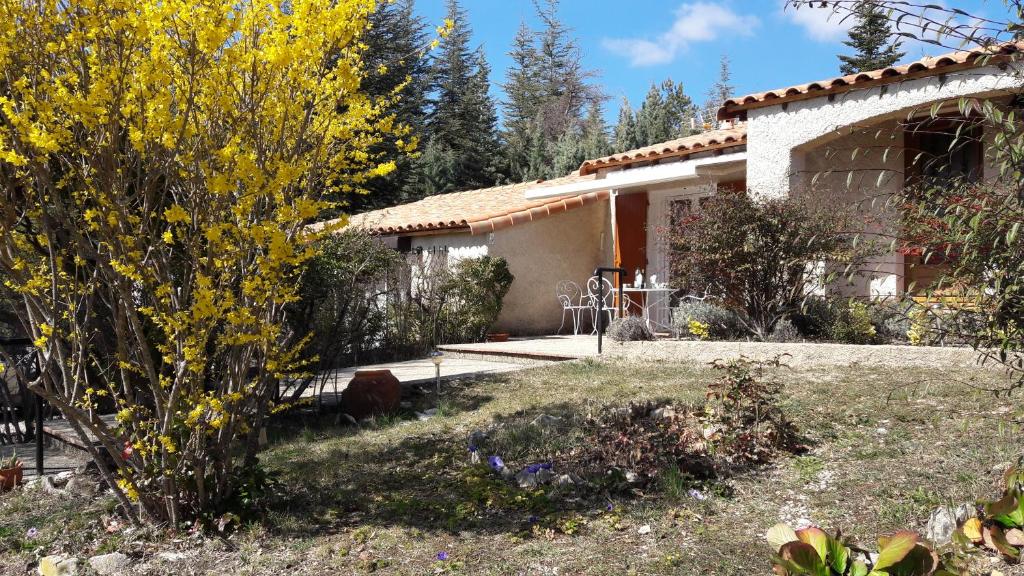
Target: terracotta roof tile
x=711 y=140
x=474 y=211
x=929 y=66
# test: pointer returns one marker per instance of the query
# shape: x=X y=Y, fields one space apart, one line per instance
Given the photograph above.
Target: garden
x=173 y=284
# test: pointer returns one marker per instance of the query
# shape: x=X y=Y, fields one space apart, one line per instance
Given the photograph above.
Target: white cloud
x=821 y=24
x=694 y=23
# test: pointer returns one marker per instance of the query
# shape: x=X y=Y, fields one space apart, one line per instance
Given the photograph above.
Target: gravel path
x=801 y=354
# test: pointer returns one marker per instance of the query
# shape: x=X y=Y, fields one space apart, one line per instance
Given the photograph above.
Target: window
x=943 y=151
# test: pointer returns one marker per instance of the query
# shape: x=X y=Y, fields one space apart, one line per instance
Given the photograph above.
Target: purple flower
x=533 y=468
x=496 y=462
x=532 y=519
x=32 y=533
x=609 y=507
x=545 y=466
x=472 y=447
x=442 y=555
x=697 y=494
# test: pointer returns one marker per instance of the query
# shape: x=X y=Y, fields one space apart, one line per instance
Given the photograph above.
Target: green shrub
x=760 y=255
x=853 y=324
x=812 y=552
x=815 y=318
x=629 y=329
x=478 y=288
x=722 y=323
x=785 y=331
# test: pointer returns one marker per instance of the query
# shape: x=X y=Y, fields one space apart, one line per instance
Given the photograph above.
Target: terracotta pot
x=499 y=337
x=11 y=477
x=371 y=392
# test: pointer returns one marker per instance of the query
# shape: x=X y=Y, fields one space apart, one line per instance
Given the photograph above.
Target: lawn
x=885 y=446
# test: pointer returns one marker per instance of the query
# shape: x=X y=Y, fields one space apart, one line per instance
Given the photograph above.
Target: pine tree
x=522 y=92
x=719 y=92
x=594 y=140
x=625 y=131
x=548 y=91
x=873 y=40
x=665 y=114
x=393 y=58
x=462 y=122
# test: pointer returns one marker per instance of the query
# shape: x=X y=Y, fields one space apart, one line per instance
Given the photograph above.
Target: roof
x=711 y=140
x=929 y=66
x=475 y=211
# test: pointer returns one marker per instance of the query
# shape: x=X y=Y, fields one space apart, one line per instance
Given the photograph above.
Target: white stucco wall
x=775 y=132
x=567 y=246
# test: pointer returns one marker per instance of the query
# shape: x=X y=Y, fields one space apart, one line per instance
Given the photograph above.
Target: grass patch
x=392 y=495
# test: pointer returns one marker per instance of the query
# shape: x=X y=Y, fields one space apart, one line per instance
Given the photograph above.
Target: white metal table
x=654 y=303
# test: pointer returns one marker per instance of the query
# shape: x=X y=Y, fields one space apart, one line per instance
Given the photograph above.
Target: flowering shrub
x=721 y=323
x=155 y=211
x=699 y=329
x=853 y=324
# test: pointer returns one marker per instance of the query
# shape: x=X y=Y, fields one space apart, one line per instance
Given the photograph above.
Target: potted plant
x=11 y=471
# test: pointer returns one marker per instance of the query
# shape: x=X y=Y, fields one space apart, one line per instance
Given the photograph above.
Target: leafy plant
x=744 y=416
x=853 y=324
x=720 y=322
x=812 y=552
x=10 y=462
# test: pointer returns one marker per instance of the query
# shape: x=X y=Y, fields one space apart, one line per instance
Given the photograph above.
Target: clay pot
x=11 y=477
x=371 y=392
x=498 y=337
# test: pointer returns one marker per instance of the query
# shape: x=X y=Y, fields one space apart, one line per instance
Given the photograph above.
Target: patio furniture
x=653 y=303
x=574 y=302
x=593 y=294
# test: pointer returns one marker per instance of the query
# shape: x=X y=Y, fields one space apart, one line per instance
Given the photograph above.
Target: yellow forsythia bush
x=160 y=161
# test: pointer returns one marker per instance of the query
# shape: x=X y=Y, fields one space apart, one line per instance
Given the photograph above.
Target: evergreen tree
x=594 y=140
x=625 y=131
x=719 y=92
x=548 y=92
x=587 y=141
x=522 y=103
x=462 y=121
x=665 y=114
x=395 y=70
x=873 y=40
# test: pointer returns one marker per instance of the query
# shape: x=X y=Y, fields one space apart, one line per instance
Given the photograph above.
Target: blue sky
x=632 y=43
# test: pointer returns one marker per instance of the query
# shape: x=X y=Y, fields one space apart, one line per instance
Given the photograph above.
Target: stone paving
x=800 y=354
x=413 y=372
x=56 y=459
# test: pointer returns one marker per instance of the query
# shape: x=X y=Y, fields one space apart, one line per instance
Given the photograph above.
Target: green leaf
x=838 y=555
x=817 y=538
x=920 y=561
x=804 y=558
x=895 y=548
x=858 y=569
x=1011 y=236
x=780 y=534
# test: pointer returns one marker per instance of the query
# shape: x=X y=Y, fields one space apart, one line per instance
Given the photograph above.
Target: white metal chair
x=574 y=302
x=593 y=296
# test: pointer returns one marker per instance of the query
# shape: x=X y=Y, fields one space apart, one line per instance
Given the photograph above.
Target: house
x=808 y=139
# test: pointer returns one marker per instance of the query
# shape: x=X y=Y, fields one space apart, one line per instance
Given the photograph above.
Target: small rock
x=110 y=564
x=645 y=529
x=546 y=421
x=60 y=480
x=526 y=480
x=631 y=477
x=544 y=475
x=172 y=556
x=941 y=525
x=58 y=565
x=663 y=413
x=882 y=431
x=82 y=485
x=996 y=573
x=564 y=480
x=427 y=414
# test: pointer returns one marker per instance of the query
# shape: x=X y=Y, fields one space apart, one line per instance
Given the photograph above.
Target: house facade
x=843 y=141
